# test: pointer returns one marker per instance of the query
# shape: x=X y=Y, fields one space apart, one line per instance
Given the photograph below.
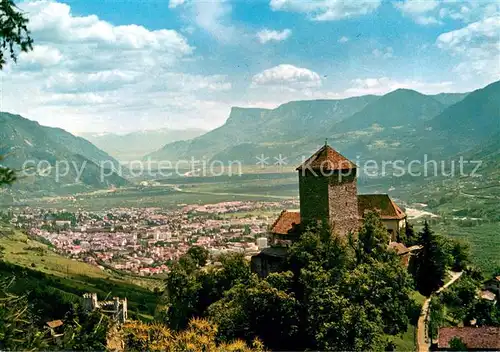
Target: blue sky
x=124 y=65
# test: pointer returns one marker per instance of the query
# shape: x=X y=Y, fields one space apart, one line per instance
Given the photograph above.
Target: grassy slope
x=69 y=277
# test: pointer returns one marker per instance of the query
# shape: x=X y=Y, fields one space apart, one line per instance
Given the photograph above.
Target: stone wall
x=313 y=192
x=343 y=203
x=332 y=198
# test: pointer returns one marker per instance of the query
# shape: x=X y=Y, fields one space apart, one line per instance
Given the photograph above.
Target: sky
x=126 y=65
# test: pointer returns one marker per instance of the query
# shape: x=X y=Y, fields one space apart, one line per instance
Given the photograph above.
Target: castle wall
x=343 y=203
x=313 y=192
x=392 y=227
x=332 y=198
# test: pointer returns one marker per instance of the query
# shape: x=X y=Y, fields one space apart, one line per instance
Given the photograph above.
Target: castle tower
x=328 y=192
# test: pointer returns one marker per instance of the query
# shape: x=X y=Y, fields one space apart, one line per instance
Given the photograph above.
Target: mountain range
x=403 y=124
x=134 y=145
x=38 y=150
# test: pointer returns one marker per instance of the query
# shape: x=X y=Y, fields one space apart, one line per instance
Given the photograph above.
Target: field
x=40 y=272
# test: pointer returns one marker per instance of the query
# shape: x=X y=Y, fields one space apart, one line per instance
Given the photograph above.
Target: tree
x=259 y=309
x=338 y=324
x=85 y=331
x=373 y=239
x=485 y=312
x=14 y=34
x=431 y=261
x=189 y=290
x=410 y=237
x=461 y=298
x=386 y=285
x=436 y=316
x=7 y=176
x=199 y=255
x=460 y=252
x=181 y=294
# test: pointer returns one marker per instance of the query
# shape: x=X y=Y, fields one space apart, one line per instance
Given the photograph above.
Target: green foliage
x=369 y=282
x=436 y=317
x=14 y=34
x=460 y=299
x=460 y=252
x=7 y=176
x=337 y=324
x=431 y=261
x=189 y=291
x=409 y=237
x=18 y=329
x=373 y=239
x=259 y=309
x=199 y=255
x=337 y=295
x=456 y=344
x=84 y=331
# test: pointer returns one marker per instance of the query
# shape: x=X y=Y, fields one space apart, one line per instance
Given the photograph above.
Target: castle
x=116 y=309
x=328 y=193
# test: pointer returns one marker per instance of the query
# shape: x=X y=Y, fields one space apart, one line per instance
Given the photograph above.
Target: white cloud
x=343 y=40
x=416 y=6
x=327 y=10
x=419 y=10
x=174 y=3
x=383 y=85
x=40 y=56
x=52 y=21
x=427 y=20
x=74 y=99
x=68 y=82
x=477 y=45
x=384 y=53
x=431 y=12
x=86 y=74
x=184 y=82
x=267 y=35
x=287 y=77
x=213 y=16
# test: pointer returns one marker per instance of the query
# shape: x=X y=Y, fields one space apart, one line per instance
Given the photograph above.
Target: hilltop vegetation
x=396 y=125
x=332 y=293
x=43 y=148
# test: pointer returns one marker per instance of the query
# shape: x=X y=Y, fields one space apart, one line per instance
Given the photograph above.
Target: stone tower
x=328 y=192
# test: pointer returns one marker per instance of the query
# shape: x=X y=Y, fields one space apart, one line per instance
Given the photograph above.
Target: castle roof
x=477 y=338
x=285 y=222
x=327 y=159
x=382 y=204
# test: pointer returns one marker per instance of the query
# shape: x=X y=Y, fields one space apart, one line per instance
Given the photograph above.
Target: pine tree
x=431 y=261
x=410 y=238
